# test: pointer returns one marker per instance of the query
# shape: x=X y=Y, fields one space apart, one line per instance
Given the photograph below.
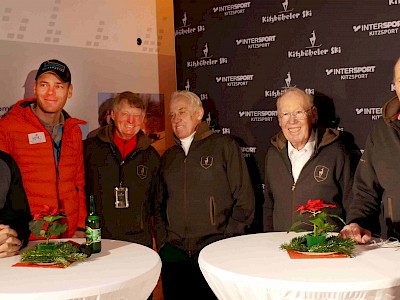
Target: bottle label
x=92 y=235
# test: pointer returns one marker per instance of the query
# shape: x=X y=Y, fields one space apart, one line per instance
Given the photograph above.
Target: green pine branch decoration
x=332 y=244
x=62 y=255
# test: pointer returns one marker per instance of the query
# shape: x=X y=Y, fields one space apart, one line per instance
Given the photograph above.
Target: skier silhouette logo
x=184 y=19
x=205 y=50
x=187 y=86
x=312 y=39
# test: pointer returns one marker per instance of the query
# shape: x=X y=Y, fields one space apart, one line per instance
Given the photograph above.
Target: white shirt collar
x=186 y=142
x=298 y=158
x=308 y=147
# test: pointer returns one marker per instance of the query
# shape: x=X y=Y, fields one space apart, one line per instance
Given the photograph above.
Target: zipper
x=185 y=206
x=122 y=179
x=293 y=188
x=121 y=163
x=56 y=164
x=57 y=187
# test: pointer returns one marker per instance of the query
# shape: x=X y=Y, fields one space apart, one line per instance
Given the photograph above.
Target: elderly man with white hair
x=304 y=162
x=206 y=196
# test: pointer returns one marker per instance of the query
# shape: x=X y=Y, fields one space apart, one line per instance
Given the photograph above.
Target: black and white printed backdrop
x=239 y=56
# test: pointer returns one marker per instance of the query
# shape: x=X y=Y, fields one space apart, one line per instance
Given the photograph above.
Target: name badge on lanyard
x=121 y=197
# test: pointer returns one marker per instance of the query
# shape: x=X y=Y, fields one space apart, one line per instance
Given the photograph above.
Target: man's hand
x=9 y=243
x=79 y=234
x=355 y=232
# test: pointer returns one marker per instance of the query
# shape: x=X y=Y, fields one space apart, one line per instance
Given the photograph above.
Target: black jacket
x=327 y=175
x=377 y=175
x=105 y=170
x=16 y=212
x=206 y=195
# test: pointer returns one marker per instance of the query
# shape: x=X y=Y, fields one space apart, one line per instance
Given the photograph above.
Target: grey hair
x=194 y=100
x=307 y=97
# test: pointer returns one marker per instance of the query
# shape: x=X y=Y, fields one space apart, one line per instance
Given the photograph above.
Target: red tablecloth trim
x=31 y=265
x=298 y=255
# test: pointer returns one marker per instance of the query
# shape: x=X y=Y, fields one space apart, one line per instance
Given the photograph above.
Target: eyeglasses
x=298 y=114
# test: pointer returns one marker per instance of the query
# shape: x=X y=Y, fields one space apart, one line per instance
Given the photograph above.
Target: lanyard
x=57 y=146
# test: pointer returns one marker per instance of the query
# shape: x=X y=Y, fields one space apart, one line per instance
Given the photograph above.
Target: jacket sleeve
x=160 y=214
x=364 y=208
x=4 y=138
x=16 y=212
x=241 y=190
x=87 y=153
x=5 y=180
x=80 y=182
x=153 y=196
x=346 y=177
x=268 y=207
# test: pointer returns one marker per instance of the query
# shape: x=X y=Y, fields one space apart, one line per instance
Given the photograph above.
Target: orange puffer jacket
x=59 y=186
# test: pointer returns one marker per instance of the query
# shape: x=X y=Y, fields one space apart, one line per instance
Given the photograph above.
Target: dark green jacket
x=207 y=195
x=328 y=176
x=105 y=170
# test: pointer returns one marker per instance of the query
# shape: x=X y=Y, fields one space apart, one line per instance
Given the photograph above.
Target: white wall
x=97 y=39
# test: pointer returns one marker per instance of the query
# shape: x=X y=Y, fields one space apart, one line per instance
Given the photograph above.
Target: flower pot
x=315 y=240
x=49 y=246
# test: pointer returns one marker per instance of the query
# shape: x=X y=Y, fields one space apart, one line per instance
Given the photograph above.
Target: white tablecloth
x=121 y=271
x=253 y=267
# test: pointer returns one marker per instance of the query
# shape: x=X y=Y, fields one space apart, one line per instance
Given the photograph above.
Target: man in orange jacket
x=46 y=143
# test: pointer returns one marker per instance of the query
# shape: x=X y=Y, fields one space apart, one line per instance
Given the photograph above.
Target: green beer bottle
x=93 y=229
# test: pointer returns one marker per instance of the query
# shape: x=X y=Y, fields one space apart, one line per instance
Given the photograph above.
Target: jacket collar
x=390 y=110
x=106 y=134
x=202 y=132
x=22 y=107
x=323 y=136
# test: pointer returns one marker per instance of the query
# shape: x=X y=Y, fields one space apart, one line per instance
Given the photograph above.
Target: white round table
x=253 y=267
x=122 y=270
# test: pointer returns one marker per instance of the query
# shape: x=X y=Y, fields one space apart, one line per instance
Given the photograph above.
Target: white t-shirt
x=298 y=158
x=186 y=142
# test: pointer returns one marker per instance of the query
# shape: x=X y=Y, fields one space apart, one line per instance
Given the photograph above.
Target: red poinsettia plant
x=318 y=219
x=46 y=222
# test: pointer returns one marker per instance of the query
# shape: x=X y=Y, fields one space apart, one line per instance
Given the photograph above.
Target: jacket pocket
x=212 y=210
x=167 y=216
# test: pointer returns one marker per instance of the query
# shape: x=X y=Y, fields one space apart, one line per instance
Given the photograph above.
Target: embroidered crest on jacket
x=141 y=171
x=321 y=173
x=206 y=161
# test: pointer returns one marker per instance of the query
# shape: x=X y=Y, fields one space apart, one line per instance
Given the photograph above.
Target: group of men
x=199 y=191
